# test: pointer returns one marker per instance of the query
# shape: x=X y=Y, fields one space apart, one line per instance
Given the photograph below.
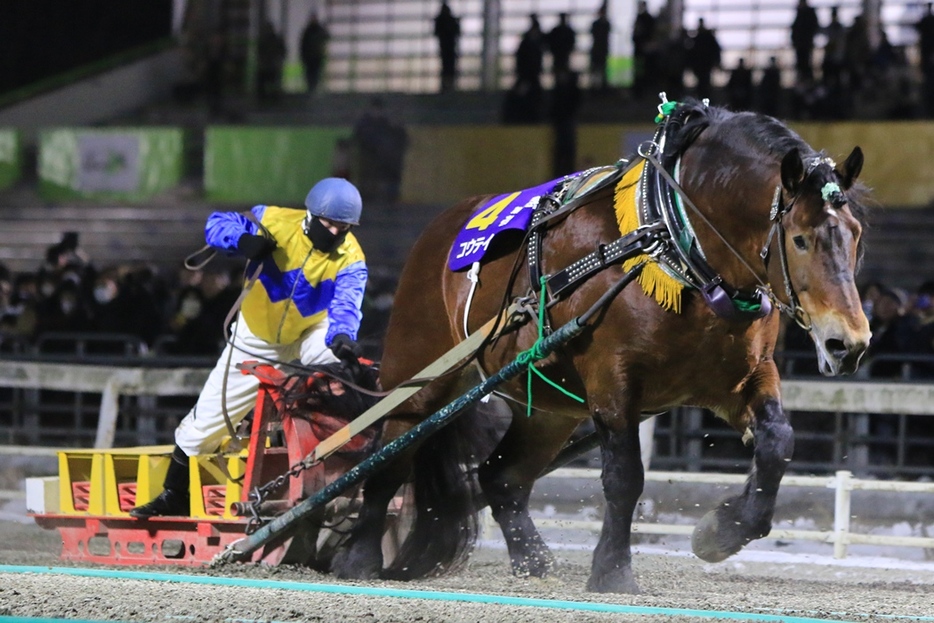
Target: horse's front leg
x=738 y=520
x=623 y=480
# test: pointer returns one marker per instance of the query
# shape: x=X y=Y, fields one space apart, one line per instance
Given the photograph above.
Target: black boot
x=174 y=499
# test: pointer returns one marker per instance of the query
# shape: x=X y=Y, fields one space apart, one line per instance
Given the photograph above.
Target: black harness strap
x=549 y=209
x=642 y=240
x=548 y=204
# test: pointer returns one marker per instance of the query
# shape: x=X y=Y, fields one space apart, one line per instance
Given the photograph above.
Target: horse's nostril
x=836 y=347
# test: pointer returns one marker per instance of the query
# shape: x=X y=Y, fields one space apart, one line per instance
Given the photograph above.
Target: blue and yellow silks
x=298 y=286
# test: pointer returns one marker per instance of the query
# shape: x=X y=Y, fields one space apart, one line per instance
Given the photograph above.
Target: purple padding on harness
x=509 y=211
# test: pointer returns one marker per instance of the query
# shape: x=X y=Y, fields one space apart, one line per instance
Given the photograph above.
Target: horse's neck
x=736 y=228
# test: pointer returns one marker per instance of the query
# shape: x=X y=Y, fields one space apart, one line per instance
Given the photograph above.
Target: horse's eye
x=800 y=242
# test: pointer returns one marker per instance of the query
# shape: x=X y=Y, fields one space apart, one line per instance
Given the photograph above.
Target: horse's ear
x=851 y=167
x=792 y=170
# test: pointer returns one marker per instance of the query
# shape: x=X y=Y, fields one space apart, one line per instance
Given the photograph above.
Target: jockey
x=305 y=304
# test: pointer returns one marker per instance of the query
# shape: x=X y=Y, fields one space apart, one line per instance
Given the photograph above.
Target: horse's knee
x=775 y=442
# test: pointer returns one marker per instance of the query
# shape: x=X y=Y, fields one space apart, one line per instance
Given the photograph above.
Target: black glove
x=255 y=247
x=345 y=348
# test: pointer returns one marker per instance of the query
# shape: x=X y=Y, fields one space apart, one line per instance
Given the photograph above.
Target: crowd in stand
x=136 y=304
x=853 y=69
x=68 y=294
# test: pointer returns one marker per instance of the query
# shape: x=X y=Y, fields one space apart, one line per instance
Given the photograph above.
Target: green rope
x=533 y=354
x=665 y=110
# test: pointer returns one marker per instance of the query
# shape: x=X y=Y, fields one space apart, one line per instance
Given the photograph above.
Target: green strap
x=533 y=354
x=665 y=110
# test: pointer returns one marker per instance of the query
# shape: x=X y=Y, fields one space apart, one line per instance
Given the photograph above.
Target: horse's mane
x=691 y=117
x=741 y=129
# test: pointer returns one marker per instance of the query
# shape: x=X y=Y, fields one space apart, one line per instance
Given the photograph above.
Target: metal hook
x=647 y=148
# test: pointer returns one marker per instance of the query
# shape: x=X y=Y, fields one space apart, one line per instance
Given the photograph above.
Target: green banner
x=274 y=166
x=114 y=163
x=10 y=158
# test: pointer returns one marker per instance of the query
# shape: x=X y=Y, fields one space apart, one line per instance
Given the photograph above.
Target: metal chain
x=259 y=494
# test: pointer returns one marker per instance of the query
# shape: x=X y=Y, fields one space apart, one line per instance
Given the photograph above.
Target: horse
x=759 y=206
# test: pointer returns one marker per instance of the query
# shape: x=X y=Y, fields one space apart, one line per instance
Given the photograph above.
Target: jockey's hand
x=346 y=349
x=255 y=247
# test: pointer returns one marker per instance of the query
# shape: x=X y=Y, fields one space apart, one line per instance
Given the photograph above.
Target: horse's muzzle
x=839 y=355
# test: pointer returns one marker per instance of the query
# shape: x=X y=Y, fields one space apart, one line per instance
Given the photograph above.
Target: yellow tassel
x=655 y=282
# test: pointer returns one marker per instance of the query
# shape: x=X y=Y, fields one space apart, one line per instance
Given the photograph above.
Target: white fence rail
x=110 y=382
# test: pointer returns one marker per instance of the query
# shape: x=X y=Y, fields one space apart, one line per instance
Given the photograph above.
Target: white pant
x=203 y=429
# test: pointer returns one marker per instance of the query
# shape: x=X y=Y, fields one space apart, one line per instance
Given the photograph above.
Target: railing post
x=841 y=512
x=107 y=419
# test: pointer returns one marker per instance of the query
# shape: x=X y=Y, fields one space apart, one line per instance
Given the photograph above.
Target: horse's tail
x=446 y=498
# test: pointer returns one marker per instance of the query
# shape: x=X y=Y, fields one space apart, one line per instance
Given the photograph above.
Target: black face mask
x=322 y=239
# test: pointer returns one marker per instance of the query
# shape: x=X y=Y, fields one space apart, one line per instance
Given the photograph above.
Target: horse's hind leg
x=748 y=516
x=507 y=478
x=362 y=556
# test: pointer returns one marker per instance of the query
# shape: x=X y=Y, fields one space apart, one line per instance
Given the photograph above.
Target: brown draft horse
x=637 y=359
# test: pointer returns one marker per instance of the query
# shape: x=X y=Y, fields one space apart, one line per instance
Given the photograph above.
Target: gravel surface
x=754 y=582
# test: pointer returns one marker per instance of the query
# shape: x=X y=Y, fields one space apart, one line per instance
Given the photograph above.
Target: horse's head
x=821 y=244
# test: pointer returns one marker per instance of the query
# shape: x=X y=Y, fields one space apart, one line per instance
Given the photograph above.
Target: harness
x=665 y=234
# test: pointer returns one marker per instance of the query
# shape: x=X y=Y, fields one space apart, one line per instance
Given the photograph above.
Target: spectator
x=643 y=37
x=6 y=289
x=523 y=102
x=195 y=332
x=22 y=316
x=704 y=56
x=803 y=30
x=925 y=28
x=564 y=104
x=529 y=54
x=561 y=42
x=111 y=311
x=218 y=296
x=739 y=87
x=270 y=52
x=834 y=62
x=858 y=53
x=142 y=292
x=380 y=146
x=888 y=334
x=599 y=49
x=214 y=72
x=65 y=311
x=342 y=158
x=770 y=89
x=448 y=32
x=314 y=46
x=920 y=340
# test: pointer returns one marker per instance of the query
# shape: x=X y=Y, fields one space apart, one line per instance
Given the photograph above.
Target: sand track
x=793 y=587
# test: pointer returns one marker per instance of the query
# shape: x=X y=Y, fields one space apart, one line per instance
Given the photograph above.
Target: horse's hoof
x=540 y=564
x=707 y=542
x=346 y=566
x=617 y=581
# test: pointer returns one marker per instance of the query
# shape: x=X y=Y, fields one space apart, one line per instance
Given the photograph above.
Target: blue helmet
x=335 y=199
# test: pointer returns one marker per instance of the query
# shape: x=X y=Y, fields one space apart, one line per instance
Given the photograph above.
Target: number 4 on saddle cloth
x=514 y=211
